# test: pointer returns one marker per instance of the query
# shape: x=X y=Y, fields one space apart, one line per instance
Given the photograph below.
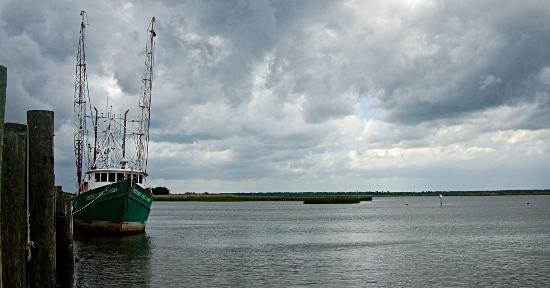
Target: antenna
x=81 y=95
x=145 y=100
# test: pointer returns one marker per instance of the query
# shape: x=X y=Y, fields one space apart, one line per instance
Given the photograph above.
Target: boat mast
x=81 y=95
x=145 y=100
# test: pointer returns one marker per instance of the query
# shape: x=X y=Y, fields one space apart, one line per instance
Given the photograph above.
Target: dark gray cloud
x=302 y=95
x=497 y=56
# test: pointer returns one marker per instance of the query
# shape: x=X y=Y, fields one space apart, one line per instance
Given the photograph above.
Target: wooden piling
x=41 y=270
x=14 y=205
x=62 y=227
x=64 y=249
x=69 y=268
x=69 y=212
x=3 y=84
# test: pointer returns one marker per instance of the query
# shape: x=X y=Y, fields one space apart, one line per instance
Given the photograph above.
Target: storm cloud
x=303 y=95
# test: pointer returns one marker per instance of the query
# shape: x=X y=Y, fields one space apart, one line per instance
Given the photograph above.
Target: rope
x=30 y=244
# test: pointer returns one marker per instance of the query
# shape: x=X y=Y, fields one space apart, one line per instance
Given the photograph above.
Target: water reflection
x=113 y=261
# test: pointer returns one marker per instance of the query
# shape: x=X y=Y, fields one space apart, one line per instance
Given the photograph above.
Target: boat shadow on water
x=112 y=261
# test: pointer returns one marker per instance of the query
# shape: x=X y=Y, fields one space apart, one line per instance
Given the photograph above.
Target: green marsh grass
x=332 y=200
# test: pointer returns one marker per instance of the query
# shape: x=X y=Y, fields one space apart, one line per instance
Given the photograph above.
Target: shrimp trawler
x=111 y=195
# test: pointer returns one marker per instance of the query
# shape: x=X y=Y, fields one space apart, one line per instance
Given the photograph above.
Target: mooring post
x=61 y=228
x=14 y=205
x=41 y=272
x=3 y=84
x=69 y=212
x=70 y=249
x=64 y=256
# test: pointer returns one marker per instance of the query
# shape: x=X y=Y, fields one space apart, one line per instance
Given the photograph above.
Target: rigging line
x=149 y=108
x=30 y=244
x=100 y=194
x=86 y=23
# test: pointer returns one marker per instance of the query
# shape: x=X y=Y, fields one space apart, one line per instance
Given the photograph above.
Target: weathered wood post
x=3 y=84
x=70 y=249
x=41 y=272
x=64 y=256
x=69 y=213
x=14 y=205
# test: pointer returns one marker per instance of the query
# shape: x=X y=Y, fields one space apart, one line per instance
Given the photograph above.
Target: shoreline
x=361 y=196
x=246 y=198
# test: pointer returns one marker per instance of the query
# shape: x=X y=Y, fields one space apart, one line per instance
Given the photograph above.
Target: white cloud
x=489 y=80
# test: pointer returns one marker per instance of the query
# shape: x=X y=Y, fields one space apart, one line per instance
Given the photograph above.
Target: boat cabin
x=101 y=177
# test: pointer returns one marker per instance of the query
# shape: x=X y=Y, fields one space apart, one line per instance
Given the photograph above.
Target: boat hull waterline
x=117 y=208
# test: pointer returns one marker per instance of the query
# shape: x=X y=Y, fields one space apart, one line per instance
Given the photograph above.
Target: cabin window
x=103 y=177
x=119 y=176
x=140 y=179
x=112 y=177
x=97 y=178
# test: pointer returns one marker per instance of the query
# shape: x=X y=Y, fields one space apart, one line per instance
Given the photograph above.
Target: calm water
x=470 y=241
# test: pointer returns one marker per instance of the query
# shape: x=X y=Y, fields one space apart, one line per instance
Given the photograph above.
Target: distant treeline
x=336 y=196
x=160 y=191
x=282 y=195
x=402 y=193
x=464 y=193
x=384 y=193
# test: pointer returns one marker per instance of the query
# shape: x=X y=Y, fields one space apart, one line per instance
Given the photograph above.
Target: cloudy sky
x=302 y=95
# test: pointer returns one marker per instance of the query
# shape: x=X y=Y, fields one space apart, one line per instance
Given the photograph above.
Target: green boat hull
x=118 y=208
